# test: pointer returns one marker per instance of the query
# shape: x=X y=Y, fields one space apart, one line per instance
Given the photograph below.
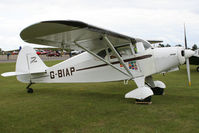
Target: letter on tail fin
x=28 y=62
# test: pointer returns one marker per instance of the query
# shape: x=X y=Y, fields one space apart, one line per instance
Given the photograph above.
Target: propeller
x=188 y=54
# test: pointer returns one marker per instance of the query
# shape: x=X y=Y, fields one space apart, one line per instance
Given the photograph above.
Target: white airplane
x=109 y=56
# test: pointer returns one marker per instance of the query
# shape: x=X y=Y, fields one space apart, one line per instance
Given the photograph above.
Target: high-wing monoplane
x=108 y=56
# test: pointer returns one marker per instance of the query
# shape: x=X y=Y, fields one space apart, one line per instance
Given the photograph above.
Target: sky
x=146 y=19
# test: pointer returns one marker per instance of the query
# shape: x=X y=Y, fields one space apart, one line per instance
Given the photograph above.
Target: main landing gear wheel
x=29 y=90
x=197 y=69
x=144 y=101
x=158 y=91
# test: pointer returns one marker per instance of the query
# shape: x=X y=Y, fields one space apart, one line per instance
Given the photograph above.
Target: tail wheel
x=29 y=90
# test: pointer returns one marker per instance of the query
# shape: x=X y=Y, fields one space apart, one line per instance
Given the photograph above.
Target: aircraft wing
x=64 y=34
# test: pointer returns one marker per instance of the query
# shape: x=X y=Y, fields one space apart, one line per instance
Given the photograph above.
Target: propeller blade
x=185 y=38
x=188 y=71
x=187 y=56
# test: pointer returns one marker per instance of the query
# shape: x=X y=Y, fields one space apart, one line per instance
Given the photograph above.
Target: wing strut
x=118 y=56
x=92 y=53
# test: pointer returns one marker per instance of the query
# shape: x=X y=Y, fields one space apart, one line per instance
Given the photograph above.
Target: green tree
x=161 y=45
x=178 y=45
x=168 y=45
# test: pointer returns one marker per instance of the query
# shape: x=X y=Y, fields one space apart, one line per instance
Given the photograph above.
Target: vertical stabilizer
x=29 y=62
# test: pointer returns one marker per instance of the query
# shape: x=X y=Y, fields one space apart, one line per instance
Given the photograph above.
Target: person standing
x=8 y=54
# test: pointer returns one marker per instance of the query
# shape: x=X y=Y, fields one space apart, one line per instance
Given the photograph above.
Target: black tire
x=158 y=91
x=30 y=90
x=148 y=99
x=197 y=69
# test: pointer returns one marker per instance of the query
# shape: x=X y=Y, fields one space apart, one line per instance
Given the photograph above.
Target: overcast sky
x=146 y=19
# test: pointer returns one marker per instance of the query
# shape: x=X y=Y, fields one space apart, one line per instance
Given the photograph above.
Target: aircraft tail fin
x=28 y=62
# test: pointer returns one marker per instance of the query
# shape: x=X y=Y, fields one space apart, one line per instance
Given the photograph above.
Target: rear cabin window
x=102 y=54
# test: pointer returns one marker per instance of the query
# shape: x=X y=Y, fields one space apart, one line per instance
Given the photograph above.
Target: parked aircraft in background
x=194 y=60
x=109 y=56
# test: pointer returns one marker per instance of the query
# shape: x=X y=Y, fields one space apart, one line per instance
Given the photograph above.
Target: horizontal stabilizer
x=140 y=93
x=8 y=74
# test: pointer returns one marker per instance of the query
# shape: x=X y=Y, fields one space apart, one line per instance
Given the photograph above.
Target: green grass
x=98 y=107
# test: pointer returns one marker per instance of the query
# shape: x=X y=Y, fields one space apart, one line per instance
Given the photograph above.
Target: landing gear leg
x=144 y=101
x=29 y=90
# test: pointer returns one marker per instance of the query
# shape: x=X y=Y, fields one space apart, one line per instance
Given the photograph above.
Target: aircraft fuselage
x=86 y=68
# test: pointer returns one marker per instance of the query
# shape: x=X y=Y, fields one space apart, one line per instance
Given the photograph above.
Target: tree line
x=194 y=47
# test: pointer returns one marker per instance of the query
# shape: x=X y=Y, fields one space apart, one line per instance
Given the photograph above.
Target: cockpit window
x=146 y=44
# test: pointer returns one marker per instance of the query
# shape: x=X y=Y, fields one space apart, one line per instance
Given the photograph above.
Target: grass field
x=98 y=107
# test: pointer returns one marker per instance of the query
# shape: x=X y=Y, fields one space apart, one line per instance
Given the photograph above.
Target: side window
x=102 y=54
x=112 y=54
x=124 y=50
x=141 y=46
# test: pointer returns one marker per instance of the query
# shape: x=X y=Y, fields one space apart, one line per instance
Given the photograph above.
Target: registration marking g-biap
x=62 y=72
